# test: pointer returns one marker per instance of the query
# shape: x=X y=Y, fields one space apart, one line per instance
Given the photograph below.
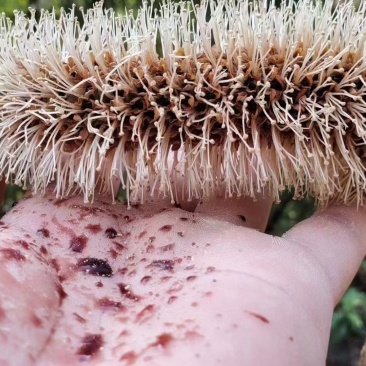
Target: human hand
x=168 y=286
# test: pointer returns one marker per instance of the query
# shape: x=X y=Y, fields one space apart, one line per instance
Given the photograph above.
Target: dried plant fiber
x=229 y=97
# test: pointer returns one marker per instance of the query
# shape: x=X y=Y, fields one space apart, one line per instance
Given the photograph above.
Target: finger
x=336 y=238
x=243 y=211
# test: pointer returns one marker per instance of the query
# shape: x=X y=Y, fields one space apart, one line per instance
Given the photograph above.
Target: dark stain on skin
x=122 y=271
x=242 y=218
x=126 y=292
x=167 y=248
x=60 y=290
x=90 y=344
x=2 y=314
x=142 y=234
x=13 y=254
x=262 y=318
x=54 y=263
x=87 y=210
x=291 y=339
x=43 y=233
x=118 y=246
x=78 y=243
x=94 y=228
x=127 y=219
x=129 y=357
x=36 y=321
x=180 y=233
x=107 y=304
x=144 y=280
x=43 y=250
x=150 y=248
x=184 y=218
x=191 y=278
x=79 y=318
x=95 y=267
x=163 y=264
x=60 y=202
x=172 y=299
x=114 y=254
x=166 y=228
x=145 y=313
x=23 y=244
x=110 y=233
x=210 y=269
x=163 y=340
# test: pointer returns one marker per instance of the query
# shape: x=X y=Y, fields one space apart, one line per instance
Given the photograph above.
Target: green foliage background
x=349 y=320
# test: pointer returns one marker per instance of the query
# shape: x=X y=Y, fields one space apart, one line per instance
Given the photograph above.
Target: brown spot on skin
x=2 y=223
x=126 y=292
x=54 y=263
x=167 y=248
x=145 y=313
x=142 y=234
x=60 y=291
x=210 y=269
x=87 y=211
x=36 y=321
x=191 y=278
x=184 y=219
x=165 y=279
x=166 y=228
x=99 y=284
x=2 y=314
x=262 y=318
x=242 y=218
x=188 y=268
x=107 y=304
x=127 y=219
x=145 y=280
x=79 y=318
x=172 y=299
x=13 y=254
x=163 y=264
x=122 y=271
x=179 y=233
x=194 y=304
x=63 y=228
x=163 y=340
x=120 y=247
x=114 y=254
x=129 y=357
x=150 y=248
x=291 y=339
x=78 y=243
x=90 y=345
x=43 y=250
x=60 y=202
x=94 y=228
x=132 y=273
x=23 y=244
x=95 y=267
x=43 y=233
x=110 y=233
x=208 y=294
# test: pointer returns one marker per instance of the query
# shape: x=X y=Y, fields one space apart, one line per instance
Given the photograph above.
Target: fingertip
x=336 y=238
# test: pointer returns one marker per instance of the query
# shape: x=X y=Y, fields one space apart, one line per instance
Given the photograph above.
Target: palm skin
x=155 y=284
